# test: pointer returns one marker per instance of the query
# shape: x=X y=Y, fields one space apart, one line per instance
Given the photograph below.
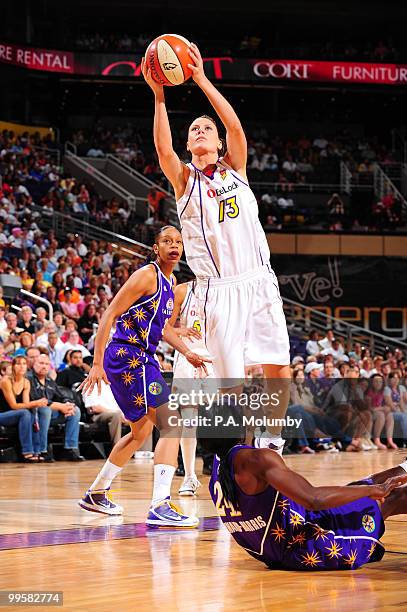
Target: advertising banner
x=219 y=68
x=369 y=292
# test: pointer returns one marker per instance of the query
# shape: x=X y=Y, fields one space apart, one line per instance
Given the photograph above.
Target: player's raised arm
x=235 y=137
x=175 y=171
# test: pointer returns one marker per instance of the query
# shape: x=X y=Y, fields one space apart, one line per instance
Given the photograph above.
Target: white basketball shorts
x=187 y=378
x=244 y=322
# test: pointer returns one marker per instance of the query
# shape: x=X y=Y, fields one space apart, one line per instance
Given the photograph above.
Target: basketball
x=168 y=58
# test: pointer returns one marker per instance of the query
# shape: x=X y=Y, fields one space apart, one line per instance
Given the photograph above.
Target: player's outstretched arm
x=235 y=137
x=171 y=336
x=175 y=171
x=140 y=283
x=271 y=468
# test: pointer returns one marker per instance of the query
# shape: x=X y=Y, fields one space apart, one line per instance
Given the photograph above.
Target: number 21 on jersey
x=229 y=208
x=222 y=504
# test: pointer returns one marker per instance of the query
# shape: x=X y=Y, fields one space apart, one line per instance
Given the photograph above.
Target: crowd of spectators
x=352 y=399
x=254 y=44
x=291 y=162
x=43 y=361
x=279 y=171
x=345 y=398
x=112 y=41
x=31 y=176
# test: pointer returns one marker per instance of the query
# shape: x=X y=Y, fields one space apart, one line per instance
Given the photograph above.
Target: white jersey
x=189 y=316
x=183 y=370
x=220 y=224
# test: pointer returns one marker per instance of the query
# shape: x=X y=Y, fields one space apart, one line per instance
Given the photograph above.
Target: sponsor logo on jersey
x=169 y=307
x=213 y=193
x=368 y=523
x=155 y=388
x=223 y=174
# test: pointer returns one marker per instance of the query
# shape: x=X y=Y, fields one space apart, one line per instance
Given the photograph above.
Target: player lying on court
x=225 y=245
x=141 y=309
x=287 y=523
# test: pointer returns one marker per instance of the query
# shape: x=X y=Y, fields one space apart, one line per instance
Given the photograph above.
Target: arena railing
x=383 y=185
x=105 y=184
x=301 y=319
x=129 y=175
x=346 y=178
x=150 y=184
x=53 y=153
x=63 y=224
x=283 y=188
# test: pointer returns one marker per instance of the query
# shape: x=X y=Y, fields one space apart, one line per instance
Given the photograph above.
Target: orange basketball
x=168 y=58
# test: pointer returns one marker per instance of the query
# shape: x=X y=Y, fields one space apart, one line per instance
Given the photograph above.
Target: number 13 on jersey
x=229 y=207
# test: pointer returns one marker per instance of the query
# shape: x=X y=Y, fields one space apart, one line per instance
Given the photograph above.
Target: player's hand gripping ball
x=167 y=57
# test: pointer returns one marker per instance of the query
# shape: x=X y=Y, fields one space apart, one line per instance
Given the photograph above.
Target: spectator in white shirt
x=56 y=349
x=80 y=247
x=320 y=142
x=3 y=322
x=377 y=365
x=77 y=277
x=73 y=344
x=312 y=346
x=336 y=350
x=289 y=166
x=104 y=409
x=327 y=341
x=42 y=337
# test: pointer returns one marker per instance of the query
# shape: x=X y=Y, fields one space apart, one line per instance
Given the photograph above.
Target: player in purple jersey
x=279 y=518
x=141 y=309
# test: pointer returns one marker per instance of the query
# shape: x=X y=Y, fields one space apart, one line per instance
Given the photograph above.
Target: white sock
x=163 y=475
x=104 y=479
x=404 y=465
x=188 y=449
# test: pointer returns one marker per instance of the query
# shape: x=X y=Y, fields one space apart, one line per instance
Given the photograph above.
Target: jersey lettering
x=230 y=207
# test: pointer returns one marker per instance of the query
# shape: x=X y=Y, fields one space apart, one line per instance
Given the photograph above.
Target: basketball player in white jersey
x=186 y=377
x=225 y=245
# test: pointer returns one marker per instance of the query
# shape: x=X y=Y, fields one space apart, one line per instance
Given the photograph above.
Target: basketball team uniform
x=226 y=248
x=129 y=361
x=184 y=371
x=274 y=529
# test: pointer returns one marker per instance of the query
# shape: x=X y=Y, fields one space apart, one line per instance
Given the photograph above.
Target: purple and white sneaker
x=275 y=444
x=100 y=501
x=166 y=514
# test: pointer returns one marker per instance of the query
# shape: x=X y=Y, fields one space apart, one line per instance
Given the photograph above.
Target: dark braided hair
x=220 y=439
x=153 y=256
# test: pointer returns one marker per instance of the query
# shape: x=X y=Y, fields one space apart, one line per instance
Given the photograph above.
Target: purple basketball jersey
x=143 y=323
x=129 y=360
x=283 y=534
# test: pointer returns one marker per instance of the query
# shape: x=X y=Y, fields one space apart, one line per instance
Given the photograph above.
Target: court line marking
x=99 y=533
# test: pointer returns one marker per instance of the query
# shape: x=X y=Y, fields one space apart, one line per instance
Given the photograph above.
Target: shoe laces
x=171 y=505
x=107 y=493
x=191 y=481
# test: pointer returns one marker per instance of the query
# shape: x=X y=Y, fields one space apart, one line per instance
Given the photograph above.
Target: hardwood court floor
x=113 y=564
